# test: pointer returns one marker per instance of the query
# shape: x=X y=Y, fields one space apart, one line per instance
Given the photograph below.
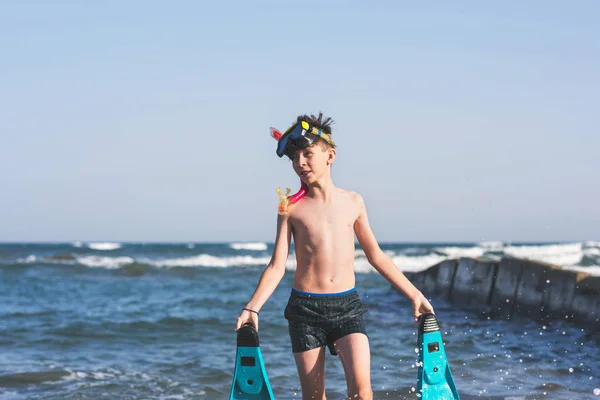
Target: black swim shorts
x=317 y=320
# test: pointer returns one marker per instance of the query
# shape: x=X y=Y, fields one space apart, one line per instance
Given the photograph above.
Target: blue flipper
x=250 y=380
x=434 y=378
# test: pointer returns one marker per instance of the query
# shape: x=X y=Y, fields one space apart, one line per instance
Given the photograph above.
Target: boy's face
x=312 y=162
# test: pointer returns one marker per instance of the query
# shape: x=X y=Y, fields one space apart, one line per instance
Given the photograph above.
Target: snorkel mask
x=298 y=136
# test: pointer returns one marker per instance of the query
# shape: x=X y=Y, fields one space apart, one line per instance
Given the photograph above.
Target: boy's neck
x=322 y=189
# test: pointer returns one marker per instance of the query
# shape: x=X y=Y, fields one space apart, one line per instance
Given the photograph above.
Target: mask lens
x=286 y=145
x=282 y=144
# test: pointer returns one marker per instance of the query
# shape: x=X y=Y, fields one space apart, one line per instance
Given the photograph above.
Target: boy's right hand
x=246 y=316
x=421 y=306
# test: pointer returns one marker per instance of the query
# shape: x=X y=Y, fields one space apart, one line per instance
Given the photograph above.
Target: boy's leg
x=354 y=352
x=311 y=370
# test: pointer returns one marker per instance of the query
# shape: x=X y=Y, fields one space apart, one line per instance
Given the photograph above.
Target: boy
x=324 y=308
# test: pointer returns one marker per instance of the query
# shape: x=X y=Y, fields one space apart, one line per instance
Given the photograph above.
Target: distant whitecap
x=257 y=246
x=104 y=262
x=104 y=246
x=207 y=260
x=457 y=252
x=559 y=254
x=491 y=245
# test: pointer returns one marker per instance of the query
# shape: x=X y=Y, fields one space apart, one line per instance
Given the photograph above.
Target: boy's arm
x=272 y=274
x=384 y=264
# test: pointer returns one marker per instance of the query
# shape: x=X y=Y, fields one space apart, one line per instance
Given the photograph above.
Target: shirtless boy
x=324 y=308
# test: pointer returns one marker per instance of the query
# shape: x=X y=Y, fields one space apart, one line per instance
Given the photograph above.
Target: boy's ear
x=331 y=153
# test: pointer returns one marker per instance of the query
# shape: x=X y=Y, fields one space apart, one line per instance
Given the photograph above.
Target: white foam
x=592 y=252
x=492 y=245
x=100 y=375
x=27 y=260
x=104 y=262
x=562 y=259
x=207 y=260
x=362 y=265
x=187 y=393
x=104 y=246
x=416 y=264
x=457 y=252
x=591 y=243
x=560 y=254
x=404 y=263
x=408 y=260
x=543 y=250
x=77 y=244
x=411 y=251
x=359 y=253
x=257 y=246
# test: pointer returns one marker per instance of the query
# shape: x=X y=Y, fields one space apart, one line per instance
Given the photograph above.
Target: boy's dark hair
x=320 y=122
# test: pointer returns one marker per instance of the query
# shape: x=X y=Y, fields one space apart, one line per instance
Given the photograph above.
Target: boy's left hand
x=421 y=306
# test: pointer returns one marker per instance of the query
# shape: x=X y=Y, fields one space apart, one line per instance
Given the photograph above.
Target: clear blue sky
x=148 y=121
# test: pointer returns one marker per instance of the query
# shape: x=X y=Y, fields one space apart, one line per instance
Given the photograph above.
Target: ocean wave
x=592 y=251
x=109 y=329
x=106 y=246
x=404 y=263
x=414 y=251
x=458 y=252
x=407 y=258
x=207 y=260
x=105 y=262
x=159 y=386
x=67 y=258
x=136 y=269
x=559 y=254
x=416 y=264
x=494 y=246
x=102 y=374
x=30 y=259
x=31 y=378
x=256 y=246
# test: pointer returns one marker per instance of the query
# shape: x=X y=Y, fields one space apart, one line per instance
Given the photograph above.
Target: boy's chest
x=323 y=219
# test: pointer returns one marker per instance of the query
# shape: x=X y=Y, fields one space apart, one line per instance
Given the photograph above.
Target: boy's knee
x=362 y=393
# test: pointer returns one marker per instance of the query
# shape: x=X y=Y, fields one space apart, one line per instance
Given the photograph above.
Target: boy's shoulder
x=351 y=195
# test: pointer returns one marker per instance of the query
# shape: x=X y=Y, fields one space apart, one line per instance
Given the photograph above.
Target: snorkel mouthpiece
x=284 y=200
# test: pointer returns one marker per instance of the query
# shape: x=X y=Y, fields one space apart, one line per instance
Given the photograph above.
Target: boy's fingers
x=239 y=323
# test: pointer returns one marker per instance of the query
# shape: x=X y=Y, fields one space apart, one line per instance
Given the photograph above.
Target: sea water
x=157 y=321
